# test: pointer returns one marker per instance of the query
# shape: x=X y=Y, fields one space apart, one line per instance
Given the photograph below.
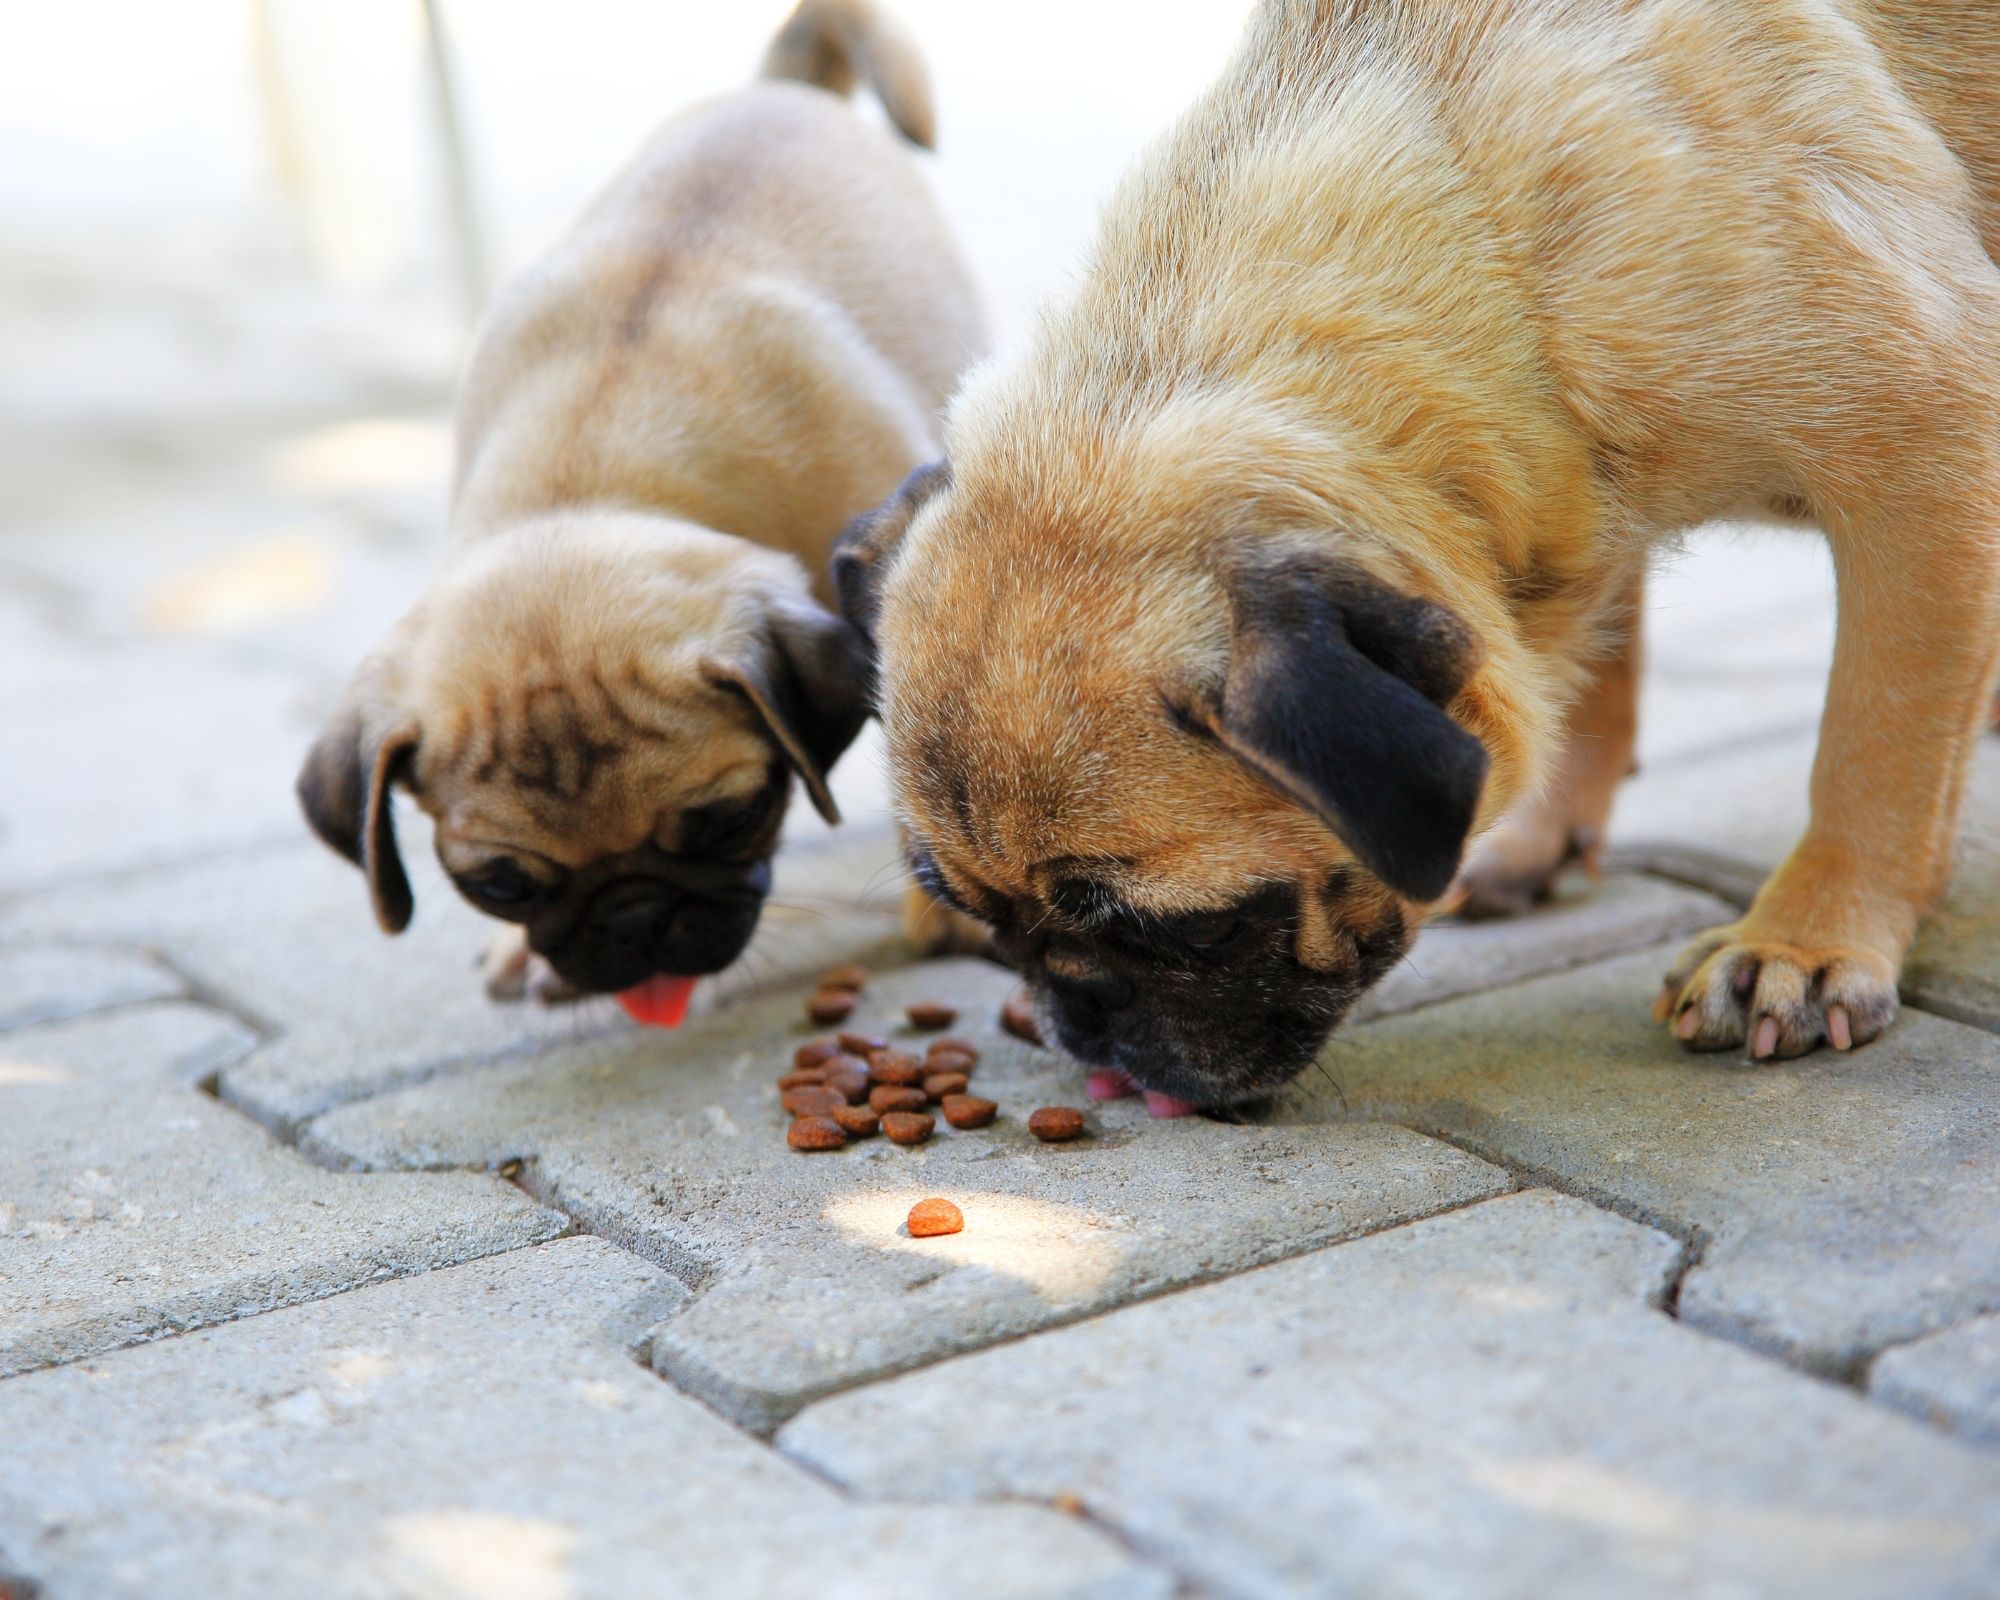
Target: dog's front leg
x=1817 y=956
x=1512 y=866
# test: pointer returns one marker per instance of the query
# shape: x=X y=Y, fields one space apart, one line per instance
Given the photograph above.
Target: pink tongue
x=659 y=1002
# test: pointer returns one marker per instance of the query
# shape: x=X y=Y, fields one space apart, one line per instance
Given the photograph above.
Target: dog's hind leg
x=1512 y=866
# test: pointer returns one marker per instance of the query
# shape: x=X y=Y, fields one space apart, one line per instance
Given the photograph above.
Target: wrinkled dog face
x=606 y=744
x=1200 y=810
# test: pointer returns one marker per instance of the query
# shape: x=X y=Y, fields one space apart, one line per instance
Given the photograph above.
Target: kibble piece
x=940 y=1084
x=1054 y=1124
x=851 y=978
x=952 y=1045
x=863 y=1045
x=930 y=1015
x=907 y=1127
x=848 y=1078
x=895 y=1066
x=814 y=1053
x=968 y=1110
x=830 y=1006
x=815 y=1133
x=929 y=1218
x=857 y=1122
x=813 y=1100
x=1017 y=1016
x=888 y=1097
x=798 y=1080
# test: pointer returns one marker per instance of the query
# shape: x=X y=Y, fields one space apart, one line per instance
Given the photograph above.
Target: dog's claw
x=1839 y=1030
x=1776 y=1000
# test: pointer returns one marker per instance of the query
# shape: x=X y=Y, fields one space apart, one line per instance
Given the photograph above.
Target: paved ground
x=318 y=1270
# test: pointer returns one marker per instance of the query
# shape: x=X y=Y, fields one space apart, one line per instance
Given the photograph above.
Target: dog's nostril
x=632 y=922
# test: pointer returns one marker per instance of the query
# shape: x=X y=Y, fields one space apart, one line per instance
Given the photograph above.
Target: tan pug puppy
x=663 y=426
x=1278 y=564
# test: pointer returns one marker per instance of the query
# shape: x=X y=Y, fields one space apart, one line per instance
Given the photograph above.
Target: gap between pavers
x=1950 y=1379
x=1844 y=1203
x=132 y=1205
x=51 y=983
x=1485 y=1403
x=479 y=1430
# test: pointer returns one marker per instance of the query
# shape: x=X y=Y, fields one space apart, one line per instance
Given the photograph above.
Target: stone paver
x=284 y=933
x=47 y=984
x=1484 y=1404
x=1845 y=1203
x=1951 y=1379
x=484 y=1431
x=675 y=1146
x=132 y=1205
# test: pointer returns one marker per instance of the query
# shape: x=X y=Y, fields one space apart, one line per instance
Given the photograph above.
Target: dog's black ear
x=863 y=553
x=812 y=687
x=1336 y=693
x=345 y=786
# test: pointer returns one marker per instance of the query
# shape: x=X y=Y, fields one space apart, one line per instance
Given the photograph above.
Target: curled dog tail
x=832 y=43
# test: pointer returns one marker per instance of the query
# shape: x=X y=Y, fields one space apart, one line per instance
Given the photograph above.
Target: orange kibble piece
x=929 y=1218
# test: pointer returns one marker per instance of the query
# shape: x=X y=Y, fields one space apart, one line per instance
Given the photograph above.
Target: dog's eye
x=503 y=885
x=727 y=825
x=1211 y=931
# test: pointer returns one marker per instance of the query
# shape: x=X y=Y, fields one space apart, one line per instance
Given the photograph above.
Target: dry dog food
x=955 y=1045
x=852 y=979
x=848 y=1078
x=889 y=1097
x=813 y=1100
x=863 y=1045
x=950 y=1061
x=815 y=1133
x=799 y=1080
x=940 y=1084
x=968 y=1110
x=829 y=1006
x=906 y=1127
x=857 y=1122
x=1017 y=1016
x=814 y=1053
x=1054 y=1124
x=929 y=1218
x=895 y=1066
x=927 y=1016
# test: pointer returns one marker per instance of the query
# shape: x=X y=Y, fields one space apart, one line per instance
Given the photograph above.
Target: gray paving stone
x=284 y=933
x=47 y=984
x=476 y=1432
x=1483 y=1404
x=1951 y=1379
x=1846 y=1203
x=132 y=1205
x=675 y=1147
x=1583 y=921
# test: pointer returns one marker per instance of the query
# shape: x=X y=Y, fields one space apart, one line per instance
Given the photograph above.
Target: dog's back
x=1947 y=54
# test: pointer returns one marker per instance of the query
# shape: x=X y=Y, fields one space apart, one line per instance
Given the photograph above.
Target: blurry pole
x=280 y=126
x=467 y=241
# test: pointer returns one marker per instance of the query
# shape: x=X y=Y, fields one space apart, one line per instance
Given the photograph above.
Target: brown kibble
x=897 y=1067
x=953 y=1045
x=1053 y=1124
x=799 y=1080
x=848 y=1078
x=949 y=1061
x=891 y=1098
x=929 y=1218
x=851 y=979
x=940 y=1084
x=813 y=1100
x=968 y=1110
x=863 y=1045
x=815 y=1133
x=857 y=1122
x=830 y=1005
x=814 y=1053
x=1017 y=1016
x=930 y=1015
x=907 y=1127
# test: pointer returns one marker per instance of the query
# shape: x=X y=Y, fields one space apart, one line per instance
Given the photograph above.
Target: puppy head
x=602 y=714
x=1200 y=788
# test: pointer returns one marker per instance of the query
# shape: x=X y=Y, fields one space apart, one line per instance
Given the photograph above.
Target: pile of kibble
x=854 y=1085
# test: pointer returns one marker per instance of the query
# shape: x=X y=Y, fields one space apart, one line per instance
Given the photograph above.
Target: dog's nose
x=1088 y=989
x=631 y=918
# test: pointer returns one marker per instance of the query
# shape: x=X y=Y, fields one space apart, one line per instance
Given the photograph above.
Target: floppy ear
x=812 y=688
x=344 y=787
x=1336 y=692
x=863 y=553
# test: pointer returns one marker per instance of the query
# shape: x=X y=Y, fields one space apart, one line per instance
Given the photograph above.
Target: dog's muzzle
x=629 y=917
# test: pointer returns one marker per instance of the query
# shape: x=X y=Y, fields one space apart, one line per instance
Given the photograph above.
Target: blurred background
x=243 y=244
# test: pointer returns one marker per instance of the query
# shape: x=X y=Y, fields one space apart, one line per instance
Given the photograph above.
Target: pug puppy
x=1305 y=541
x=603 y=702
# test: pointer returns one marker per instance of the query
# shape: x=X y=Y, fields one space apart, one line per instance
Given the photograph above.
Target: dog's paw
x=1511 y=868
x=1781 y=999
x=512 y=971
x=936 y=929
